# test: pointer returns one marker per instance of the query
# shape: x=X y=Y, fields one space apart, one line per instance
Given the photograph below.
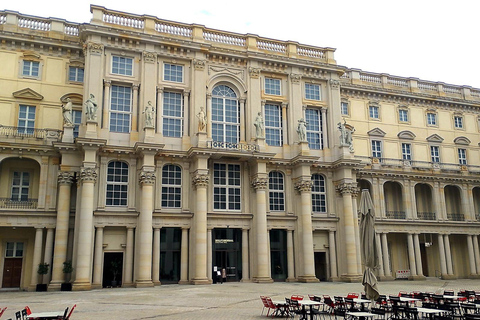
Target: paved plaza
x=232 y=300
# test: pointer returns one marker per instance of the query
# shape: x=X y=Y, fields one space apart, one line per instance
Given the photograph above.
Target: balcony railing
x=27 y=133
x=456 y=216
x=426 y=215
x=233 y=146
x=8 y=203
x=396 y=215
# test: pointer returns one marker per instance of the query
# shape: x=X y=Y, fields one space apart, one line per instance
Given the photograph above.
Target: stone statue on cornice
x=91 y=108
x=67 y=113
x=346 y=135
x=149 y=115
x=302 y=130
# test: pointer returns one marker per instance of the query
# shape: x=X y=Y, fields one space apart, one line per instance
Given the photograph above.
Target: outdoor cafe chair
x=469 y=308
x=271 y=306
x=296 y=297
x=64 y=314
x=265 y=304
x=329 y=305
x=71 y=311
x=379 y=313
x=352 y=295
x=2 y=311
x=293 y=307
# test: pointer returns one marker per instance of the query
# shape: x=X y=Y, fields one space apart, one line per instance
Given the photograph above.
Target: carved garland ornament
x=200 y=180
x=88 y=175
x=147 y=177
x=65 y=177
x=259 y=183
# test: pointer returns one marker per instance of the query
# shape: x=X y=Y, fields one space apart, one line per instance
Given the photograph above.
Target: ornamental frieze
x=88 y=174
x=147 y=177
x=303 y=185
x=236 y=72
x=65 y=177
x=259 y=183
x=200 y=180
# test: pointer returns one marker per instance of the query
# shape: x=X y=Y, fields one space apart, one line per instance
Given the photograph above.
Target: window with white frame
x=403 y=115
x=435 y=153
x=344 y=108
x=20 y=186
x=313 y=117
x=462 y=156
x=312 y=92
x=458 y=122
x=120 y=108
x=122 y=65
x=276 y=191
x=225 y=115
x=14 y=250
x=77 y=121
x=75 y=74
x=273 y=125
x=172 y=72
x=272 y=86
x=31 y=68
x=431 y=119
x=376 y=149
x=226 y=187
x=406 y=151
x=26 y=119
x=374 y=112
x=319 y=194
x=171 y=186
x=172 y=114
x=117 y=183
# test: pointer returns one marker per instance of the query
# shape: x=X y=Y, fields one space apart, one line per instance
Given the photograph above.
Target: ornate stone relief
x=236 y=72
x=147 y=177
x=65 y=177
x=335 y=84
x=93 y=48
x=149 y=57
x=88 y=174
x=199 y=64
x=254 y=72
x=295 y=77
x=345 y=188
x=200 y=180
x=259 y=183
x=303 y=185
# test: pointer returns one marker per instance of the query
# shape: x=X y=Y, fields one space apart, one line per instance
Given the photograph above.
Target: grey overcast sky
x=426 y=39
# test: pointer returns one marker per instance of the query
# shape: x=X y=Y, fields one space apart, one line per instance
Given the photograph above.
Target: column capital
x=347 y=188
x=149 y=57
x=199 y=64
x=88 y=174
x=147 y=177
x=93 y=48
x=200 y=180
x=65 y=177
x=107 y=83
x=259 y=183
x=303 y=185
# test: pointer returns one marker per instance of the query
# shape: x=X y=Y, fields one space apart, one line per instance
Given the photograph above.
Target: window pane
x=171 y=186
x=273 y=125
x=312 y=91
x=117 y=184
x=120 y=109
x=122 y=65
x=319 y=203
x=173 y=73
x=226 y=192
x=272 y=86
x=313 y=117
x=225 y=115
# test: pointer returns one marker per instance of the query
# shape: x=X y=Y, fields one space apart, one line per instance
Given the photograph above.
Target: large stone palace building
x=147 y=151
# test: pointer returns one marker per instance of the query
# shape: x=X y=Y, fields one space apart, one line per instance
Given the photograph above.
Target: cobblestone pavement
x=232 y=300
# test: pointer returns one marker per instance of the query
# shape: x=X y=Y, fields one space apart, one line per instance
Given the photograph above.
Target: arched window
x=117 y=183
x=319 y=194
x=225 y=115
x=171 y=186
x=277 y=191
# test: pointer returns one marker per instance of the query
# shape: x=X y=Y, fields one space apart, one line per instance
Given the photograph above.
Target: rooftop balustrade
x=45 y=136
x=8 y=203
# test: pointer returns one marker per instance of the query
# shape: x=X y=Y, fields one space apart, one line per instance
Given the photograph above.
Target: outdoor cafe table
x=282 y=307
x=46 y=315
x=362 y=302
x=409 y=300
x=429 y=311
x=359 y=314
x=310 y=303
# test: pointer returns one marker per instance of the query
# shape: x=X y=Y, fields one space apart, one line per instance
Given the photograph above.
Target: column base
x=386 y=278
x=143 y=284
x=308 y=279
x=157 y=283
x=474 y=276
x=201 y=281
x=352 y=278
x=128 y=285
x=183 y=282
x=32 y=288
x=246 y=280
x=81 y=286
x=449 y=277
x=262 y=280
x=97 y=286
x=54 y=286
x=334 y=279
x=291 y=280
x=417 y=277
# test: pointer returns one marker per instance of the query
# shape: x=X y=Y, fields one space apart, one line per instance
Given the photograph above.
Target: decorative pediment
x=409 y=135
x=30 y=55
x=28 y=94
x=462 y=140
x=74 y=97
x=435 y=138
x=377 y=132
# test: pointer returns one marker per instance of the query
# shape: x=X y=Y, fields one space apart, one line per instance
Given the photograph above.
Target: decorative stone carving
x=88 y=174
x=345 y=188
x=149 y=115
x=202 y=120
x=295 y=77
x=303 y=186
x=200 y=180
x=149 y=57
x=199 y=64
x=65 y=177
x=254 y=72
x=91 y=108
x=147 y=177
x=93 y=48
x=302 y=130
x=67 y=113
x=259 y=126
x=259 y=183
x=334 y=84
x=346 y=132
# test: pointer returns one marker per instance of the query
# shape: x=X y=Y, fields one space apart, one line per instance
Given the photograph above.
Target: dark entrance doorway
x=423 y=252
x=278 y=254
x=170 y=255
x=12 y=272
x=321 y=266
x=112 y=269
x=227 y=252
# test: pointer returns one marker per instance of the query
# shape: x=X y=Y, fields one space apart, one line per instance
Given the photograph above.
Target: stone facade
x=137 y=193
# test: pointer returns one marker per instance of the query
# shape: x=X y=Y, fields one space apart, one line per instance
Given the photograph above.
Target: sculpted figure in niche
x=67 y=113
x=91 y=108
x=346 y=132
x=149 y=115
x=259 y=126
x=202 y=120
x=302 y=130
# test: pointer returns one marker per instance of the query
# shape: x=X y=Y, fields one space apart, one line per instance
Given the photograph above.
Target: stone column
x=65 y=180
x=209 y=254
x=209 y=115
x=357 y=231
x=144 y=245
x=200 y=181
x=418 y=256
x=386 y=257
x=471 y=255
x=83 y=268
x=477 y=252
x=346 y=190
x=305 y=188
x=156 y=257
x=106 y=103
x=37 y=258
x=245 y=260
x=186 y=114
x=128 y=278
x=324 y=129
x=98 y=259
x=134 y=108
x=242 y=120
x=332 y=250
x=286 y=137
x=411 y=256
x=160 y=111
x=47 y=258
x=441 y=251
x=184 y=257
x=290 y=257
x=381 y=270
x=259 y=183
x=448 y=255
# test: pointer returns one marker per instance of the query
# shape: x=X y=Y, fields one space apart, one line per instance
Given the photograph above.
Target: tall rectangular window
x=172 y=114
x=462 y=156
x=171 y=186
x=374 y=112
x=314 y=128
x=435 y=153
x=458 y=121
x=120 y=109
x=226 y=187
x=406 y=151
x=431 y=119
x=312 y=91
x=319 y=194
x=276 y=191
x=403 y=115
x=31 y=68
x=20 y=186
x=117 y=184
x=122 y=66
x=376 y=149
x=172 y=72
x=272 y=86
x=77 y=121
x=344 y=108
x=26 y=119
x=75 y=74
x=273 y=125
x=14 y=250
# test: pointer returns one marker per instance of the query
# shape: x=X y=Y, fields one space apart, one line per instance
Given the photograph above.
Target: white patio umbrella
x=368 y=244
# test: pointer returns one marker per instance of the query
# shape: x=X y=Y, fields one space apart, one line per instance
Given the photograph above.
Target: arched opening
x=225 y=115
x=476 y=202
x=453 y=203
x=393 y=200
x=424 y=202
